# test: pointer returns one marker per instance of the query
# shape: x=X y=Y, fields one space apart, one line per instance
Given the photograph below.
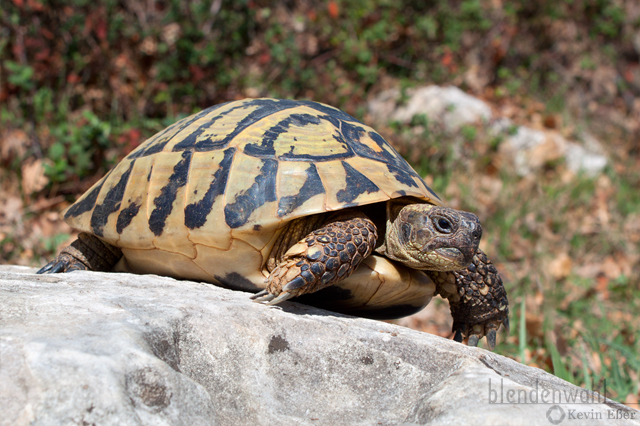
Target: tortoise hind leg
x=322 y=258
x=87 y=253
x=477 y=299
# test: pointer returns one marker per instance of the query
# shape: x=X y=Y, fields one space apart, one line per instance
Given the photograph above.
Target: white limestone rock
x=449 y=105
x=120 y=349
x=529 y=149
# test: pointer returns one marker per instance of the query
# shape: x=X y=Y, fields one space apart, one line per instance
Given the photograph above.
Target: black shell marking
x=262 y=191
x=87 y=202
x=195 y=214
x=157 y=142
x=164 y=202
x=312 y=186
x=110 y=204
x=357 y=184
x=126 y=215
x=265 y=149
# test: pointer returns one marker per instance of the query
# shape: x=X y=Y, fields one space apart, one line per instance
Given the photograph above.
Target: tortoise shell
x=206 y=197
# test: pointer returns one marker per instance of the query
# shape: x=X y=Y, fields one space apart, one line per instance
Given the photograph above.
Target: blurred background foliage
x=82 y=83
x=125 y=69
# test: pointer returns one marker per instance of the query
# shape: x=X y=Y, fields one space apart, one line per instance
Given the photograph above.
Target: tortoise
x=287 y=199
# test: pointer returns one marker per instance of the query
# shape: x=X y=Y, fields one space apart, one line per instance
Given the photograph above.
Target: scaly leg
x=87 y=253
x=324 y=257
x=477 y=299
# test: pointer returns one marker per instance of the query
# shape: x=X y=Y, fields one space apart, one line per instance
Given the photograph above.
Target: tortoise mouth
x=452 y=258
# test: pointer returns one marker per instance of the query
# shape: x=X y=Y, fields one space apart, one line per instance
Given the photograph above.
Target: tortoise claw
x=281 y=298
x=267 y=298
x=264 y=298
x=262 y=293
x=461 y=331
x=491 y=338
x=477 y=332
x=473 y=340
x=45 y=269
x=53 y=267
x=491 y=331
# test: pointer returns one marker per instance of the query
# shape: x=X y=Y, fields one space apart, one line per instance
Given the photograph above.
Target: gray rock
x=529 y=149
x=580 y=160
x=120 y=349
x=449 y=105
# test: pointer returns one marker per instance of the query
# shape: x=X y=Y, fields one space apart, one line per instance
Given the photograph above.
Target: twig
x=44 y=204
x=321 y=58
x=213 y=12
x=399 y=61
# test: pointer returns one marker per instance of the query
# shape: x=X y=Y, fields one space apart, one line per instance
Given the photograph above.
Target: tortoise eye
x=443 y=225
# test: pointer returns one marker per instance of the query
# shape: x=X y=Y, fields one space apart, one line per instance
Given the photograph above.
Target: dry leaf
x=50 y=224
x=534 y=324
x=631 y=399
x=148 y=46
x=10 y=213
x=33 y=177
x=560 y=267
x=13 y=144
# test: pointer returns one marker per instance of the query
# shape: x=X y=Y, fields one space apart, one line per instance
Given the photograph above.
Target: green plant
x=19 y=75
x=75 y=145
x=469 y=132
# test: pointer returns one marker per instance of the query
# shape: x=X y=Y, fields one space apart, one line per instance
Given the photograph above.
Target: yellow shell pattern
x=206 y=197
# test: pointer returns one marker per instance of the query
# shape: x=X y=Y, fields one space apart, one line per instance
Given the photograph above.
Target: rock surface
x=119 y=349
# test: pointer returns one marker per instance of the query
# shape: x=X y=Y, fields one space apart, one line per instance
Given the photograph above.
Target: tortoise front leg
x=322 y=258
x=477 y=299
x=87 y=253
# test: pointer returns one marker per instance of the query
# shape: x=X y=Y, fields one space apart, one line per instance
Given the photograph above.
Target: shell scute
x=299 y=184
x=132 y=223
x=205 y=198
x=212 y=131
x=299 y=136
x=165 y=206
x=208 y=181
x=262 y=192
x=356 y=184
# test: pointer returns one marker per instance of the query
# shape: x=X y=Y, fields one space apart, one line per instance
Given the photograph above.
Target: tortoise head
x=427 y=237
